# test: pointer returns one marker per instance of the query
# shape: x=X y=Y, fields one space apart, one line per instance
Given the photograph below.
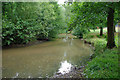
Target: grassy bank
x=104 y=63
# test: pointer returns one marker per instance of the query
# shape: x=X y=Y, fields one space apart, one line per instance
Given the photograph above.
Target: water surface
x=45 y=59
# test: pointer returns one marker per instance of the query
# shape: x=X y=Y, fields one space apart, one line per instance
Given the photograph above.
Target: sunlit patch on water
x=65 y=67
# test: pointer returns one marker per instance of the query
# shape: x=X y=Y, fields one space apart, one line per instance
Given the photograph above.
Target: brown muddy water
x=45 y=59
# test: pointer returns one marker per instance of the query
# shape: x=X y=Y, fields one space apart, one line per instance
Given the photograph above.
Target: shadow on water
x=44 y=60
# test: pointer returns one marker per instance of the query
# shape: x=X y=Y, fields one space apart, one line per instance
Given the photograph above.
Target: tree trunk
x=114 y=29
x=101 y=31
x=88 y=30
x=110 y=29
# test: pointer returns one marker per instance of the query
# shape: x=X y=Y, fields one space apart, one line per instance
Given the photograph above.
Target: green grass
x=116 y=40
x=98 y=30
x=104 y=63
x=103 y=66
x=104 y=30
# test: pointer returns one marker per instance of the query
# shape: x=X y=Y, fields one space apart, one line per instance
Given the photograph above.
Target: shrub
x=33 y=21
x=18 y=33
x=78 y=31
x=7 y=32
x=98 y=36
x=104 y=36
x=87 y=36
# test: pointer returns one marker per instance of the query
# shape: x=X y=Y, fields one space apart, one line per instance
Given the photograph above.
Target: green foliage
x=62 y=31
x=78 y=31
x=100 y=46
x=104 y=36
x=88 y=17
x=24 y=22
x=87 y=36
x=98 y=36
x=116 y=40
x=104 y=63
x=103 y=66
x=7 y=32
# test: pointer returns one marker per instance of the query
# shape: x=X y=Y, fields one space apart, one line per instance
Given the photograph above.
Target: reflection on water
x=43 y=60
x=65 y=54
x=64 y=40
x=65 y=67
